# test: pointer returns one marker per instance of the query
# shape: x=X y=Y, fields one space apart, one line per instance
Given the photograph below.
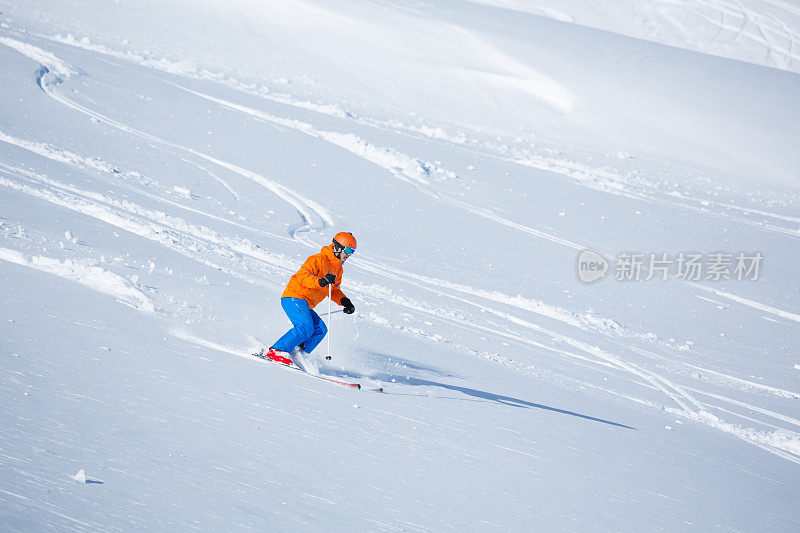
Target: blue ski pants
x=309 y=329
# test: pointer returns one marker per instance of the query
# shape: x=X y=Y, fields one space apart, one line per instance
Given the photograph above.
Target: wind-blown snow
x=46 y=59
x=92 y=276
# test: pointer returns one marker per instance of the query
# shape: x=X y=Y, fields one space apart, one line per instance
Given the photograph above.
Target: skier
x=308 y=287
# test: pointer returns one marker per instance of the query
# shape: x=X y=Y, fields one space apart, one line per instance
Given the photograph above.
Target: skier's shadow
x=505 y=400
x=483 y=395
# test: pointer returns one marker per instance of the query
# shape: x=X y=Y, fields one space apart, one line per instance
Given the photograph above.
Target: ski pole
x=332 y=312
x=330 y=291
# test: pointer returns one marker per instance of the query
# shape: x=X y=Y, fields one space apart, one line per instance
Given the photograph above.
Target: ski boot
x=276 y=355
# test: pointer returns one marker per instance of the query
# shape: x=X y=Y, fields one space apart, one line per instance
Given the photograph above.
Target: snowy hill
x=165 y=167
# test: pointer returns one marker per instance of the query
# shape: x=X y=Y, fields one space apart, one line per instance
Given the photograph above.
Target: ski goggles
x=348 y=251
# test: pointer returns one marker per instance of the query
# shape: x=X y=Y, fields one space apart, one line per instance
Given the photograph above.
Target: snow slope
x=164 y=171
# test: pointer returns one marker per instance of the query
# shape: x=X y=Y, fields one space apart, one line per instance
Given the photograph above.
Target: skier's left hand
x=349 y=308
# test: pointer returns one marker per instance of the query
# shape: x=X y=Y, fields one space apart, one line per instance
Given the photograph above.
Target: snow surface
x=166 y=166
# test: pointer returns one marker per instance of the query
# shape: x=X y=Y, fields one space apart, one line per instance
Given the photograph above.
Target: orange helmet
x=344 y=241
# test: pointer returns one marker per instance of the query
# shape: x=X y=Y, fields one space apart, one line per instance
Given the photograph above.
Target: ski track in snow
x=611 y=182
x=747 y=384
x=410 y=169
x=54 y=72
x=406 y=168
x=100 y=167
x=778 y=55
x=196 y=243
x=170 y=231
x=216 y=178
x=527 y=304
x=778 y=416
x=749 y=303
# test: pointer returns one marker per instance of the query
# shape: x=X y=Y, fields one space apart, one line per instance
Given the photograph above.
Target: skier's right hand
x=326 y=280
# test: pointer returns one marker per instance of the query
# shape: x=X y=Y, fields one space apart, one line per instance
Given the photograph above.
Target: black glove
x=327 y=279
x=349 y=308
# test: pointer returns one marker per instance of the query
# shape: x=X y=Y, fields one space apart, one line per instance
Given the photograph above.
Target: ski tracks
x=197 y=243
x=421 y=174
x=411 y=170
x=783 y=443
x=54 y=72
x=777 y=55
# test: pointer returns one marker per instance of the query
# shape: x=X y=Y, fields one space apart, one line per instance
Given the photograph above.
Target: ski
x=263 y=357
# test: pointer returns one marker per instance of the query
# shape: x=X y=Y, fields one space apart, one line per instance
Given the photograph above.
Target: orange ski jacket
x=305 y=283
